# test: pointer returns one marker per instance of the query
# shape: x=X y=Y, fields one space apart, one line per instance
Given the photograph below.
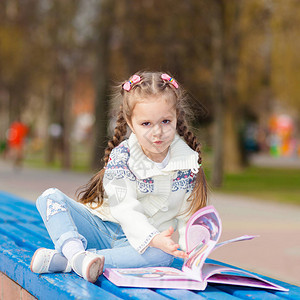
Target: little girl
x=150 y=184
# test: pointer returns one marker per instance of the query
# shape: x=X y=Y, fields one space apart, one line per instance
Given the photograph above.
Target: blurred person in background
x=16 y=135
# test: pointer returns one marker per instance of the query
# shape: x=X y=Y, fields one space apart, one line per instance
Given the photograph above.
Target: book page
x=237 y=239
x=227 y=275
x=202 y=233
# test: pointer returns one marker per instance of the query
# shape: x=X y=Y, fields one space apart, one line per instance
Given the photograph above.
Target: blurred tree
x=232 y=42
x=226 y=45
x=285 y=55
x=255 y=70
x=63 y=59
x=18 y=72
x=217 y=91
x=104 y=30
x=65 y=40
x=235 y=56
x=37 y=61
x=243 y=36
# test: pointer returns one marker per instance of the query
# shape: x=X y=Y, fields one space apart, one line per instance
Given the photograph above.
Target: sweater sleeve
x=120 y=186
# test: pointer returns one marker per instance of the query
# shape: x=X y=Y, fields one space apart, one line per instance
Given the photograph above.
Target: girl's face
x=153 y=122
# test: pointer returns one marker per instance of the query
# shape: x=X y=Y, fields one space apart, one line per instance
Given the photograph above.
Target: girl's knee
x=51 y=200
x=42 y=199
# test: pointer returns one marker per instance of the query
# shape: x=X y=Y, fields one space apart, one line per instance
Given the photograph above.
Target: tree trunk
x=225 y=55
x=233 y=156
x=102 y=79
x=217 y=93
x=66 y=120
x=233 y=153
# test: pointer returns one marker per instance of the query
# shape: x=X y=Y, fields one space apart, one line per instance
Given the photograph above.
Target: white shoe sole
x=95 y=269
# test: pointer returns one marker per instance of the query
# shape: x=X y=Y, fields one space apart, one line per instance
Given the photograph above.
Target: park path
x=276 y=253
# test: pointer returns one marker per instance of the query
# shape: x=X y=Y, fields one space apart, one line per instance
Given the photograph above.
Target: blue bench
x=22 y=232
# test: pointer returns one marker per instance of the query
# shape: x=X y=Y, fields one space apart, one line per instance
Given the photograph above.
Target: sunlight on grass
x=80 y=160
x=273 y=184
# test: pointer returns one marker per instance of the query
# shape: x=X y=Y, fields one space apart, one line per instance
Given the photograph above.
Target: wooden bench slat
x=24 y=210
x=18 y=215
x=4 y=218
x=38 y=231
x=181 y=294
x=36 y=228
x=213 y=292
x=24 y=239
x=256 y=294
x=129 y=293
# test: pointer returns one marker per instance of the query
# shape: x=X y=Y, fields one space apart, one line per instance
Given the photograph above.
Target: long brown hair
x=151 y=84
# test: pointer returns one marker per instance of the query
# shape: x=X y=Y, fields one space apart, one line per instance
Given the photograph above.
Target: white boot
x=88 y=265
x=41 y=261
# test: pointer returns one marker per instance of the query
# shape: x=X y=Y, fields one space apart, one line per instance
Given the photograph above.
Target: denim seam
x=114 y=239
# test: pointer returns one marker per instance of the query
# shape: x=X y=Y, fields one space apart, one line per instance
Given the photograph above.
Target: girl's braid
x=198 y=197
x=189 y=137
x=93 y=191
x=119 y=133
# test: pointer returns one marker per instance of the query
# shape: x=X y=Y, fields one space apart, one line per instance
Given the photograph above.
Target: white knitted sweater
x=143 y=198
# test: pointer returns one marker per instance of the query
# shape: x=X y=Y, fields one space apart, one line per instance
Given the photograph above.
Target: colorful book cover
x=203 y=231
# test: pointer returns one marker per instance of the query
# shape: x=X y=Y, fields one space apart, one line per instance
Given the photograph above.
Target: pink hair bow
x=169 y=78
x=134 y=79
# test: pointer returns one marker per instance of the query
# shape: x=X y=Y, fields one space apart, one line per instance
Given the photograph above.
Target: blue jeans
x=66 y=219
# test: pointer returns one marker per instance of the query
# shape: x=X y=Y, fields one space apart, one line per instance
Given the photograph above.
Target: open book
x=203 y=231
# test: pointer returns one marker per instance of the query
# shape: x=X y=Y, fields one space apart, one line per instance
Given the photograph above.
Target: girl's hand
x=164 y=242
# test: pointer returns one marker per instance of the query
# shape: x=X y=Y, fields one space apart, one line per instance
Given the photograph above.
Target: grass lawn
x=274 y=184
x=80 y=160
